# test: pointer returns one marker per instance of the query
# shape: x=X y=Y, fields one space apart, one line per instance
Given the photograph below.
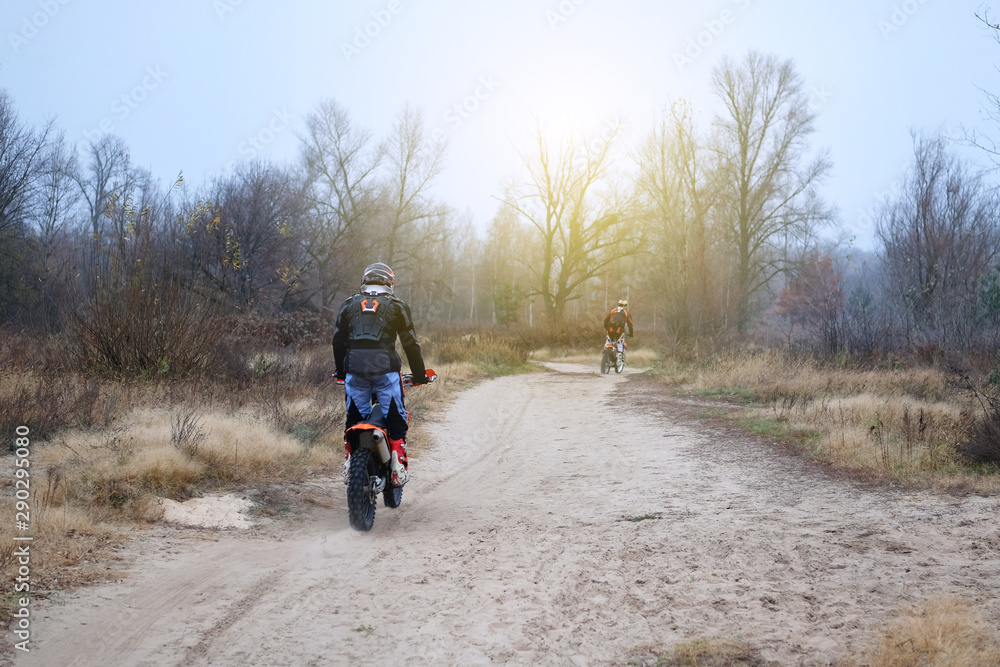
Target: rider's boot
x=397 y=462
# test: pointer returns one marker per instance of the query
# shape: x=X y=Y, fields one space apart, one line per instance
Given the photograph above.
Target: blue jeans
x=388 y=390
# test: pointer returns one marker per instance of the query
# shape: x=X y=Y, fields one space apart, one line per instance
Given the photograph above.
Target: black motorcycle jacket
x=364 y=337
x=616 y=321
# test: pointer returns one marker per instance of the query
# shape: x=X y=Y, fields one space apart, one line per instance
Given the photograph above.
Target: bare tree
x=247 y=244
x=991 y=112
x=340 y=165
x=105 y=172
x=507 y=244
x=579 y=230
x=456 y=283
x=58 y=194
x=940 y=237
x=22 y=153
x=413 y=232
x=815 y=299
x=410 y=216
x=108 y=163
x=58 y=197
x=22 y=157
x=769 y=199
x=140 y=317
x=679 y=187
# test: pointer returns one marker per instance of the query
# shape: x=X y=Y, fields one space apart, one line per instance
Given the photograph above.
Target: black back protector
x=371 y=317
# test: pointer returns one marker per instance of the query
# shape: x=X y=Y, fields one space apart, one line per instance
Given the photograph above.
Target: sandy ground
x=519 y=542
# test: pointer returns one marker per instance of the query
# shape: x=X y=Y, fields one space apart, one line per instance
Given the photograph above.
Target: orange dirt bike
x=614 y=354
x=366 y=471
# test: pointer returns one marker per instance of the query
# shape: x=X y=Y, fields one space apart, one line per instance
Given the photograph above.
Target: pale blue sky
x=193 y=85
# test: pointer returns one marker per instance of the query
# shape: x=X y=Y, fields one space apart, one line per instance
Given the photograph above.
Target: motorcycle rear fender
x=370 y=436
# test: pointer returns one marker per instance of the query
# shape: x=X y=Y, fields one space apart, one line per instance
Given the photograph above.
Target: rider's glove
x=427 y=377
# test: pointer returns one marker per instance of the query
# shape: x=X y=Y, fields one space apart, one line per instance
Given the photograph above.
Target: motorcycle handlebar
x=408 y=379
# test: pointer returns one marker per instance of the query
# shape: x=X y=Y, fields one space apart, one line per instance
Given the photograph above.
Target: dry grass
x=243 y=448
x=126 y=467
x=702 y=652
x=889 y=436
x=943 y=632
x=489 y=353
x=68 y=549
x=900 y=425
x=772 y=374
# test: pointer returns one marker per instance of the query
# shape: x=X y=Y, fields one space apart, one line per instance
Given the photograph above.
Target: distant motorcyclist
x=364 y=351
x=618 y=320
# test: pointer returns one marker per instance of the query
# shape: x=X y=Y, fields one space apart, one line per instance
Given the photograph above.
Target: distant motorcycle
x=614 y=355
x=366 y=471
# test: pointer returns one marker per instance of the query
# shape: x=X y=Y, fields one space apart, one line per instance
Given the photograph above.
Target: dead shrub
x=48 y=405
x=298 y=330
x=185 y=432
x=311 y=421
x=141 y=324
x=982 y=442
x=33 y=351
x=490 y=353
x=319 y=368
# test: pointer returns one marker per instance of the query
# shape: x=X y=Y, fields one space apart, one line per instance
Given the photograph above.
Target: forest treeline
x=717 y=230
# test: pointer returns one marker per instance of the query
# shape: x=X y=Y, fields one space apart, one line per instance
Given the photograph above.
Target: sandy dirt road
x=518 y=542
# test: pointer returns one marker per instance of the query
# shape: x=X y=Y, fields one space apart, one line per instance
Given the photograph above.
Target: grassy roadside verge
x=104 y=451
x=909 y=426
x=915 y=427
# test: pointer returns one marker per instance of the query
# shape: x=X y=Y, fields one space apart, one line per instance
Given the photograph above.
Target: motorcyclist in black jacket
x=364 y=351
